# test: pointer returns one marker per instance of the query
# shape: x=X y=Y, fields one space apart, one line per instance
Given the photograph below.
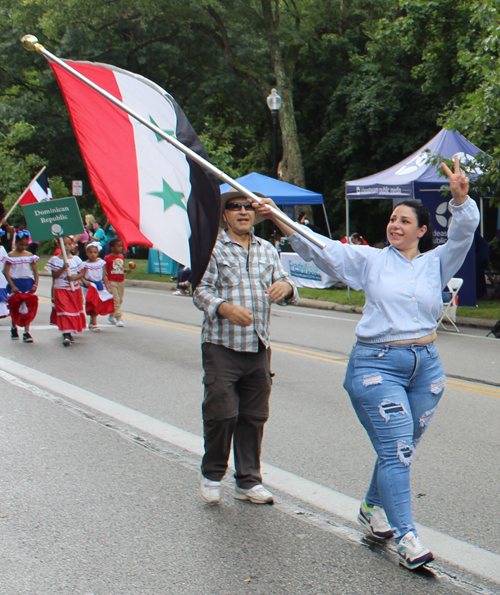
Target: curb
x=165 y=285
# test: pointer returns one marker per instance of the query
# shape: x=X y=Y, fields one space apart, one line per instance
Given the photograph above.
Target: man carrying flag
x=244 y=277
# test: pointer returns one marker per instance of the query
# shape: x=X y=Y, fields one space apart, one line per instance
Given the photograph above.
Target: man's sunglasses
x=236 y=206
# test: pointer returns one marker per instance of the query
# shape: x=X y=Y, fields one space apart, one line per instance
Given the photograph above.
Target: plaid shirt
x=240 y=277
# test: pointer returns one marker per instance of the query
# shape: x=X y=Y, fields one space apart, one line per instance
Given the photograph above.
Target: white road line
x=39 y=327
x=284 y=312
x=460 y=553
x=157 y=292
x=450 y=333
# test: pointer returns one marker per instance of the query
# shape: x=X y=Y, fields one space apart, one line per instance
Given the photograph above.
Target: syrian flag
x=37 y=191
x=151 y=192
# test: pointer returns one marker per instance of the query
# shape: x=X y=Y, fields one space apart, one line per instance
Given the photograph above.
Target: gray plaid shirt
x=240 y=277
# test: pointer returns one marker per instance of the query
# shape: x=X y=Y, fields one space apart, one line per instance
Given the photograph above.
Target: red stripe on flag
x=106 y=139
x=28 y=199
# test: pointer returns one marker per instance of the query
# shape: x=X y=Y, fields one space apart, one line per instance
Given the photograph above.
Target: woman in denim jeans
x=395 y=378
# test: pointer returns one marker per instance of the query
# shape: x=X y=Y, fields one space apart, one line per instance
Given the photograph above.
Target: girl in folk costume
x=4 y=307
x=21 y=273
x=98 y=300
x=67 y=310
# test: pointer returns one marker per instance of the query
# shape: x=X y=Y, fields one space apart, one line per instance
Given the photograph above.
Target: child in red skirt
x=22 y=275
x=98 y=300
x=67 y=309
x=4 y=284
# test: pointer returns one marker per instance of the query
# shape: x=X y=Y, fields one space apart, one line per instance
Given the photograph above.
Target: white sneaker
x=111 y=319
x=210 y=491
x=258 y=494
x=373 y=518
x=412 y=553
x=119 y=322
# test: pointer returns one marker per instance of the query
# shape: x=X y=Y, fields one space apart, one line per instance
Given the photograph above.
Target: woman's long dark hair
x=426 y=242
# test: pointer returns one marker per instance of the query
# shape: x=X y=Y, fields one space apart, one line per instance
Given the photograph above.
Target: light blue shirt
x=403 y=297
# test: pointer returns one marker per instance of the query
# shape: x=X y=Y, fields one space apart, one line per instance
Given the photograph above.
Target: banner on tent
x=305 y=274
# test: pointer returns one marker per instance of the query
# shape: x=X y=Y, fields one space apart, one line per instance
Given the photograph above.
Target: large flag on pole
x=151 y=192
x=37 y=191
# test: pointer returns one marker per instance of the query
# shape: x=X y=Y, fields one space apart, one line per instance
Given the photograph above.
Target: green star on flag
x=170 y=197
x=158 y=137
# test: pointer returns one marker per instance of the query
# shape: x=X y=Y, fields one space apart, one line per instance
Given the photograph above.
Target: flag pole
x=30 y=42
x=65 y=258
x=24 y=192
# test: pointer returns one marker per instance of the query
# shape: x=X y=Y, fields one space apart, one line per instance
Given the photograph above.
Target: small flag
x=37 y=191
x=151 y=192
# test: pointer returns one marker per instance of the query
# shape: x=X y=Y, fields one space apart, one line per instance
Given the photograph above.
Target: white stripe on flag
x=159 y=164
x=38 y=192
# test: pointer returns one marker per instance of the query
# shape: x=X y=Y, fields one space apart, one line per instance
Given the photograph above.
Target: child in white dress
x=98 y=300
x=4 y=306
x=22 y=274
x=67 y=310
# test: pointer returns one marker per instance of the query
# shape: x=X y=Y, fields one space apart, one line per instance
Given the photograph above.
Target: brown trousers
x=235 y=409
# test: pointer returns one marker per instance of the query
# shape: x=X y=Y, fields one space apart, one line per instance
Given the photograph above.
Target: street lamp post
x=274 y=104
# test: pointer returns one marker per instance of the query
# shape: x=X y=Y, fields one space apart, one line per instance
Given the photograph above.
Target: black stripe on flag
x=204 y=202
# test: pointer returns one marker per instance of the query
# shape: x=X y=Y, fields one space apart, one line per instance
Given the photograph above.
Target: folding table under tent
x=416 y=178
x=283 y=194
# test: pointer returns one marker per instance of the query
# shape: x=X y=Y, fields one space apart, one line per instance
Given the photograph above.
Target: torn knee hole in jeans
x=388 y=408
x=405 y=453
x=371 y=379
x=438 y=385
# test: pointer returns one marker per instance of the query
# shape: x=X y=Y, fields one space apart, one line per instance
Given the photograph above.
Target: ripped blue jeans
x=394 y=390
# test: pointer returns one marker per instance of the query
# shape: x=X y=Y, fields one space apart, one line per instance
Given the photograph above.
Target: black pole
x=275 y=143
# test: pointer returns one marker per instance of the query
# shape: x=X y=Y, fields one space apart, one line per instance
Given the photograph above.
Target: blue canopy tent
x=284 y=194
x=416 y=178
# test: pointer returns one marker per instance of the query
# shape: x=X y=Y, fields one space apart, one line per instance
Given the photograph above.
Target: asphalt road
x=102 y=445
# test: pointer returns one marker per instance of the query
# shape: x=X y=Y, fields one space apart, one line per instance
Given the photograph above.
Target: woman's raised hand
x=459 y=182
x=263 y=209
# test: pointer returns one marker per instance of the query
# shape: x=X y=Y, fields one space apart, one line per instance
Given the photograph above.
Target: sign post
x=77 y=188
x=54 y=220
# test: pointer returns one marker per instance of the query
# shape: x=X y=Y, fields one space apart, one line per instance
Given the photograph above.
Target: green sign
x=53 y=219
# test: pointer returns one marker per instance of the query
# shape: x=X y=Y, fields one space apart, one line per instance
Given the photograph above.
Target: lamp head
x=274 y=101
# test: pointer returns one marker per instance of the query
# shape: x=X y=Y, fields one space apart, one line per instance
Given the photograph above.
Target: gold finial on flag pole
x=30 y=43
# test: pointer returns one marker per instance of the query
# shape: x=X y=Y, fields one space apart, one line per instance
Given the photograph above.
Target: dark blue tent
x=415 y=177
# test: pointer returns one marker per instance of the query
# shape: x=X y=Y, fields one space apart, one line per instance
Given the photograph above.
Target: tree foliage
x=364 y=83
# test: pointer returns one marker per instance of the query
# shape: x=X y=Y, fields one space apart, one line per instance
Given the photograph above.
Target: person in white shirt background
x=395 y=378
